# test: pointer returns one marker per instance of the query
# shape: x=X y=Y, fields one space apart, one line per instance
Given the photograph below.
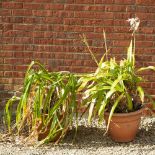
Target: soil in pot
x=124 y=126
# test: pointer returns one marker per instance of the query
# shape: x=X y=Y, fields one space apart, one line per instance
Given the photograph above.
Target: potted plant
x=114 y=93
x=46 y=106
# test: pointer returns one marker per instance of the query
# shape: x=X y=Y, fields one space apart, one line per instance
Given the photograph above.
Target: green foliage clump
x=114 y=86
x=46 y=107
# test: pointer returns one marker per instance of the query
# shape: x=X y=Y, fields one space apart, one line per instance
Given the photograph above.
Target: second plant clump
x=115 y=86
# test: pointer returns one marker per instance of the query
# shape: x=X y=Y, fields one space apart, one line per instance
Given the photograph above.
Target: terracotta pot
x=42 y=135
x=124 y=126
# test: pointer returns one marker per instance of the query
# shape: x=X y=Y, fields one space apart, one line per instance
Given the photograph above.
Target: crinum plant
x=114 y=86
x=46 y=107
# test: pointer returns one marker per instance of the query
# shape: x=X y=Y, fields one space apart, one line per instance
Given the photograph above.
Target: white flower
x=134 y=23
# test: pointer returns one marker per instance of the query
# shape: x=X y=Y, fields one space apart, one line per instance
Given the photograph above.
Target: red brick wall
x=48 y=31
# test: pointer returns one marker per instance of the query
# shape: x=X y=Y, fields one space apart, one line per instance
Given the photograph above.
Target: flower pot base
x=124 y=127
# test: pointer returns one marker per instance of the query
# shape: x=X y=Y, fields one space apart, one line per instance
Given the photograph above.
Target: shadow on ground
x=94 y=137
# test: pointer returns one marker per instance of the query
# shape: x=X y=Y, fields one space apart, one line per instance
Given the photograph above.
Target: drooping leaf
x=141 y=93
x=113 y=109
x=146 y=68
x=91 y=110
x=129 y=104
x=8 y=112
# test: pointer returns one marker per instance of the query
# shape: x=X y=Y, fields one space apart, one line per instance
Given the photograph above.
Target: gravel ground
x=90 y=140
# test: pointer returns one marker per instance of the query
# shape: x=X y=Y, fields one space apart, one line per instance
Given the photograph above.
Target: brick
x=7 y=40
x=73 y=7
x=6 y=19
x=4 y=12
x=62 y=42
x=43 y=41
x=148 y=30
x=143 y=58
x=5 y=80
x=18 y=81
x=121 y=22
x=123 y=16
x=104 y=2
x=120 y=43
x=16 y=33
x=121 y=29
x=49 y=20
x=32 y=6
x=5 y=95
x=81 y=69
x=53 y=6
x=124 y=2
x=49 y=34
x=24 y=0
x=37 y=34
x=28 y=54
x=28 y=61
x=18 y=54
x=146 y=84
x=29 y=47
x=18 y=74
x=73 y=21
x=23 y=54
x=142 y=2
x=144 y=44
x=13 y=47
x=84 y=8
x=25 y=27
x=42 y=1
x=140 y=37
x=58 y=28
x=1 y=75
x=63 y=14
x=95 y=8
x=95 y=15
x=115 y=8
x=43 y=27
x=78 y=28
x=98 y=22
x=146 y=16
x=131 y=8
x=150 y=38
x=84 y=2
x=99 y=29
x=1 y=60
x=42 y=13
x=42 y=55
x=6 y=54
x=23 y=40
x=12 y=19
x=22 y=12
x=7 y=27
x=5 y=67
x=20 y=67
x=12 y=5
x=145 y=9
x=64 y=1
x=32 y=20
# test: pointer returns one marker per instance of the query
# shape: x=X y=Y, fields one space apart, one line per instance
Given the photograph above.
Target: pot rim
x=127 y=114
